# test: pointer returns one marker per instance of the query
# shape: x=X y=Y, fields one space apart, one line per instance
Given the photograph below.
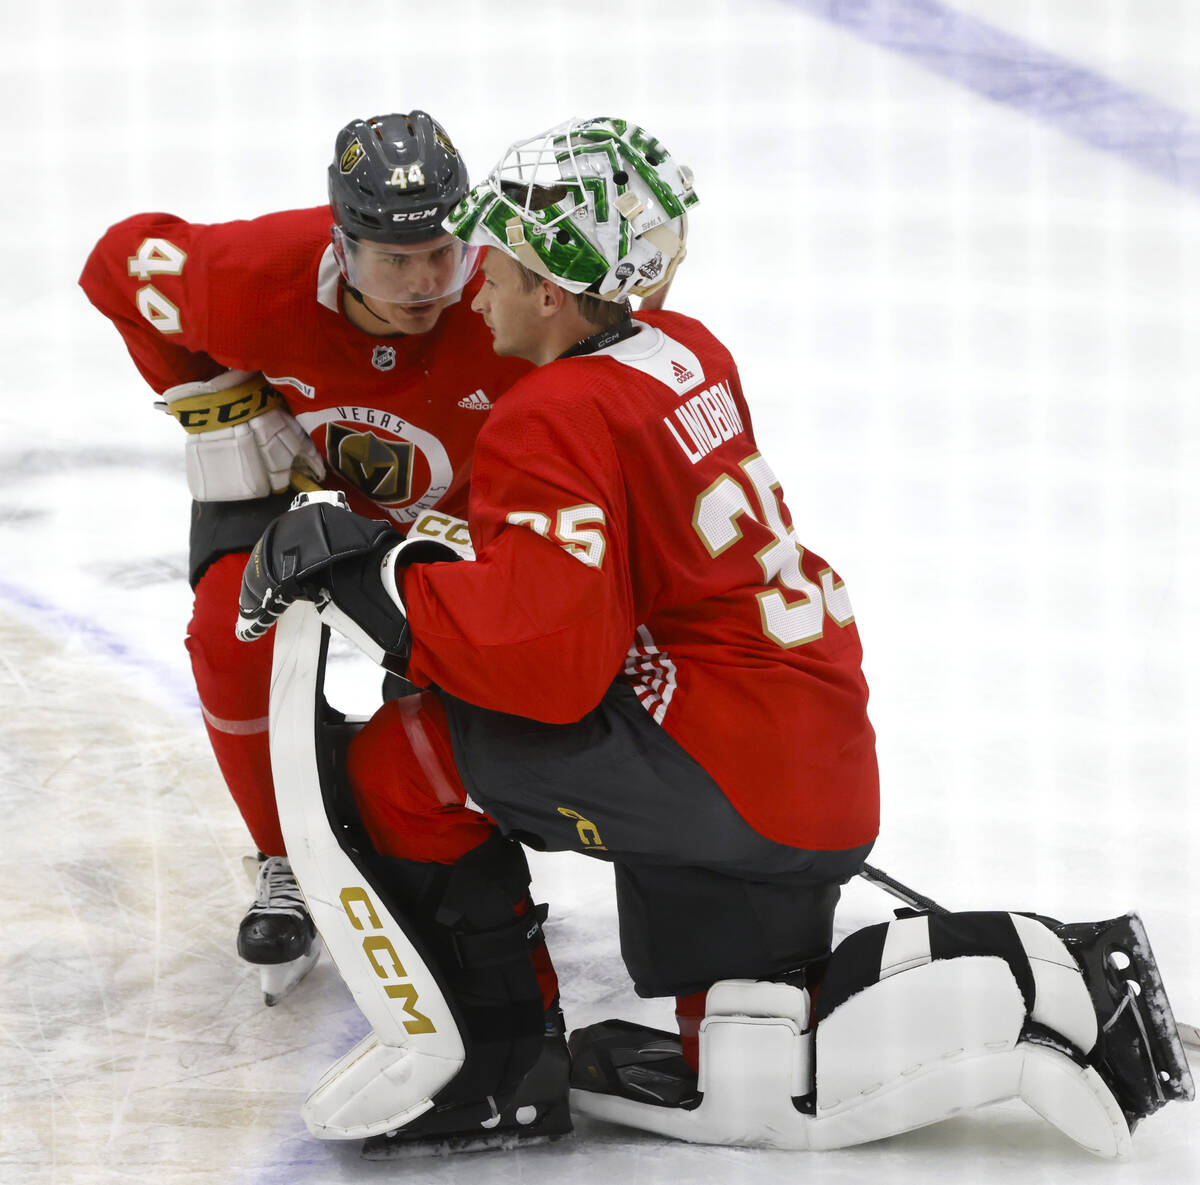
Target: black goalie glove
x=346 y=564
x=297 y=554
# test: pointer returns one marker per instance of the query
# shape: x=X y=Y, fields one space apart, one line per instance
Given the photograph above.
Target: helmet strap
x=358 y=296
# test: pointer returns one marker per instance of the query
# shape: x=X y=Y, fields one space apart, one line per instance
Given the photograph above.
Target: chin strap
x=362 y=300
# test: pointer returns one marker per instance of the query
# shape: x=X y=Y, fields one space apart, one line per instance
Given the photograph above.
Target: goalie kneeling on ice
x=919 y=1019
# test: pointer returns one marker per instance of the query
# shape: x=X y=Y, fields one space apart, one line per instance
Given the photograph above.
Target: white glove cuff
x=387 y=576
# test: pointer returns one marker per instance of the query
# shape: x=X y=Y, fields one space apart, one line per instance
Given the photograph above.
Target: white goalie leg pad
x=1075 y=1100
x=1061 y=1000
x=942 y=1038
x=755 y=1063
x=922 y=1039
x=371 y=1089
x=415 y=1048
x=916 y=1048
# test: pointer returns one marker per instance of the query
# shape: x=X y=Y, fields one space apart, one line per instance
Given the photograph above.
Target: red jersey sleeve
x=135 y=277
x=539 y=624
x=181 y=294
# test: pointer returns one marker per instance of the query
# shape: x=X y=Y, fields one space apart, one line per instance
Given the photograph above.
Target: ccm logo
x=435 y=527
x=419 y=216
x=383 y=958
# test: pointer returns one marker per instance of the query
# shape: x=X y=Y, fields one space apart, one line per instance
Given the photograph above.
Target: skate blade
x=1175 y=1075
x=383 y=1148
x=277 y=980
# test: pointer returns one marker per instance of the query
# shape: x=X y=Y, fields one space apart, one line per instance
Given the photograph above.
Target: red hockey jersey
x=395 y=417
x=627 y=526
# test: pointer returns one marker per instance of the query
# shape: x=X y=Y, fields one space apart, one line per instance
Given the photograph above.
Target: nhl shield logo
x=383 y=357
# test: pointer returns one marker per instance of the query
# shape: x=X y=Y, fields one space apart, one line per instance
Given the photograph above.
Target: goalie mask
x=594 y=205
x=393 y=179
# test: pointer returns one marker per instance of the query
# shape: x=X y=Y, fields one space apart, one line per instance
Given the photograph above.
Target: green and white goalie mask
x=594 y=205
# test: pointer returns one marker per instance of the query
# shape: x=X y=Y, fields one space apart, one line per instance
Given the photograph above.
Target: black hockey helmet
x=394 y=178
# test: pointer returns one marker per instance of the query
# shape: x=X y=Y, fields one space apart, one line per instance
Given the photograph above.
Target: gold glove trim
x=211 y=410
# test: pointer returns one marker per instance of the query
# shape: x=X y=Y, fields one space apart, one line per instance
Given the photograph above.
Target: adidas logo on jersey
x=682 y=374
x=476 y=401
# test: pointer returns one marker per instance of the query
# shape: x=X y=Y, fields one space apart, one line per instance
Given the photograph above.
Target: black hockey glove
x=365 y=604
x=295 y=555
x=323 y=552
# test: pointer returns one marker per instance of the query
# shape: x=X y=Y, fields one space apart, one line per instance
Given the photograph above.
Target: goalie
x=643 y=665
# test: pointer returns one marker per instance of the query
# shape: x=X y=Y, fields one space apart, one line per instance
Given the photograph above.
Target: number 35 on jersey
x=788 y=620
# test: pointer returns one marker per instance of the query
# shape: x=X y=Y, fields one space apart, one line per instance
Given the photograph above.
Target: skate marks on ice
x=137 y=1045
x=134 y=1038
x=94 y=486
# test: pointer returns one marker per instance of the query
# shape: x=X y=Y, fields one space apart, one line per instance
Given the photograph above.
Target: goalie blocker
x=917 y=1020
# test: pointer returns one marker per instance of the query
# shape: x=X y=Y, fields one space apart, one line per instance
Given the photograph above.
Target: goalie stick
x=1188 y=1034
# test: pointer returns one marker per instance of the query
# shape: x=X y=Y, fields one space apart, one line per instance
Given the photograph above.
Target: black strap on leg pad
x=856 y=964
x=465 y=914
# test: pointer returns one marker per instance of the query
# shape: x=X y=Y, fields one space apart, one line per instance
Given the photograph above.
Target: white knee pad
x=755 y=1073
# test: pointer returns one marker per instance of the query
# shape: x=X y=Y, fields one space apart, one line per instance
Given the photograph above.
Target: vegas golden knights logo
x=353 y=154
x=382 y=469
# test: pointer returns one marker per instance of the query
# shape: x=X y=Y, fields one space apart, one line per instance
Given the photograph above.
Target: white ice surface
x=968 y=341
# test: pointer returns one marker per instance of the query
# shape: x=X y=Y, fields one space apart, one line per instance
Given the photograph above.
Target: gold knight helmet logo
x=353 y=154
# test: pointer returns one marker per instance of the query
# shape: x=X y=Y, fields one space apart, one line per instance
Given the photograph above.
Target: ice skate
x=1139 y=1053
x=277 y=935
x=537 y=1113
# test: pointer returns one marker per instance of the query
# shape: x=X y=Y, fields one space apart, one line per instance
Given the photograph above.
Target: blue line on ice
x=1005 y=69
x=99 y=640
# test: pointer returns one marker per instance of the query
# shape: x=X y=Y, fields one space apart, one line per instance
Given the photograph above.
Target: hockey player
x=644 y=665
x=353 y=358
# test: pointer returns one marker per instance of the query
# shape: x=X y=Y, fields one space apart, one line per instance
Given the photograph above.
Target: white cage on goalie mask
x=594 y=205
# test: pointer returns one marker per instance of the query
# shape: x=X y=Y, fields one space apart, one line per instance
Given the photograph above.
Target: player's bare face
x=510 y=310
